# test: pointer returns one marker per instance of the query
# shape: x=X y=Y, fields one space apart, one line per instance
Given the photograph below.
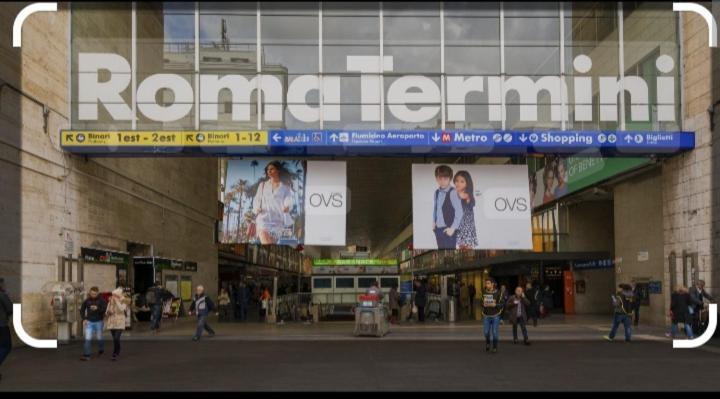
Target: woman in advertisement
x=549 y=181
x=467 y=236
x=273 y=202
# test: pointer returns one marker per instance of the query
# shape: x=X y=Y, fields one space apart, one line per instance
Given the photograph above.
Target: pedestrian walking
x=504 y=297
x=224 y=305
x=116 y=315
x=492 y=307
x=243 y=300
x=92 y=312
x=680 y=305
x=546 y=301
x=471 y=298
x=698 y=295
x=517 y=306
x=533 y=295
x=6 y=310
x=637 y=297
x=394 y=302
x=202 y=305
x=624 y=303
x=420 y=300
x=264 y=302
x=154 y=299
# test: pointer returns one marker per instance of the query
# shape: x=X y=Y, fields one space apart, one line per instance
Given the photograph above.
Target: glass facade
x=531 y=66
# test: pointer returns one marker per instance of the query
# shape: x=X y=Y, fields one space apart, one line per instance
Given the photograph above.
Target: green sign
x=94 y=255
x=355 y=262
x=583 y=172
x=189 y=266
x=568 y=175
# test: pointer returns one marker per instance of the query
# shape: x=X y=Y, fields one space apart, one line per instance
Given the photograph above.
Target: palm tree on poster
x=253 y=165
x=239 y=190
x=229 y=198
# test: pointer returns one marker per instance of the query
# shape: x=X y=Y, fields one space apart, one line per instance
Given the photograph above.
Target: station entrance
x=303 y=158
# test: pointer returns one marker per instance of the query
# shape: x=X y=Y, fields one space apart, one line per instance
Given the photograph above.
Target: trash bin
x=370 y=317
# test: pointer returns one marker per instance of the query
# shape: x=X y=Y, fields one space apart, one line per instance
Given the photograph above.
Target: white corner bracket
x=705 y=337
x=707 y=16
x=23 y=14
x=24 y=336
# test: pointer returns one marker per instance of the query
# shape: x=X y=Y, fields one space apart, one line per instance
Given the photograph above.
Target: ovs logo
x=506 y=203
x=326 y=200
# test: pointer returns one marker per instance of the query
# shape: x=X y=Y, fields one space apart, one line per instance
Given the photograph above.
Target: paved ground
x=567 y=354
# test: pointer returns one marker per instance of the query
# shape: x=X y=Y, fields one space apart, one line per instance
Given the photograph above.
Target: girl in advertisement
x=549 y=182
x=273 y=202
x=467 y=236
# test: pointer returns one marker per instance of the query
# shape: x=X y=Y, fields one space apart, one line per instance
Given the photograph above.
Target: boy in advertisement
x=447 y=209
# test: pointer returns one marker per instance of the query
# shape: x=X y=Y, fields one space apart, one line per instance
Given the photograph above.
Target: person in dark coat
x=680 y=303
x=517 y=312
x=420 y=300
x=697 y=296
x=547 y=300
x=533 y=295
x=638 y=297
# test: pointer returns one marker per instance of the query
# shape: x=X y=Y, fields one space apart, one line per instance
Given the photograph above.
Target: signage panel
x=370 y=142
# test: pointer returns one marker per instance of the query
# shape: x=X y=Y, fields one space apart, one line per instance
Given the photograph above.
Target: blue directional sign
x=384 y=142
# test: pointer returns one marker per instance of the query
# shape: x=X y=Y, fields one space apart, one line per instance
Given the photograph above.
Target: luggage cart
x=371 y=318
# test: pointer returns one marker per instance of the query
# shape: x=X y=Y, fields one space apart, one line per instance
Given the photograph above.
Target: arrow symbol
x=436 y=137
x=276 y=137
x=333 y=137
x=523 y=137
x=628 y=138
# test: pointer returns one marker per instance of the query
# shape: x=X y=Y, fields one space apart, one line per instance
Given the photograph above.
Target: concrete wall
x=170 y=204
x=638 y=228
x=690 y=182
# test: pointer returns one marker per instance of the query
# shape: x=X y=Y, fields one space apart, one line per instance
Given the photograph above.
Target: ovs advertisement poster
x=471 y=206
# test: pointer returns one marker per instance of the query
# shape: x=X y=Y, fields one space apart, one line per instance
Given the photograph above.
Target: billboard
x=326 y=203
x=565 y=175
x=471 y=206
x=264 y=201
x=284 y=202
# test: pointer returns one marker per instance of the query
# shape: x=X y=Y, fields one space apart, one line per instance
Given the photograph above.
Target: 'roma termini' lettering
x=411 y=98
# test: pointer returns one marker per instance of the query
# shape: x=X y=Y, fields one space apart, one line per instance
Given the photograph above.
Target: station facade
x=402 y=67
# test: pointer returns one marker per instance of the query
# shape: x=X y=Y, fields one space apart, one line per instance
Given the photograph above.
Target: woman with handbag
x=115 y=314
x=272 y=204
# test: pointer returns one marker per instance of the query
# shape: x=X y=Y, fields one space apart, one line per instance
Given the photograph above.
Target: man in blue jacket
x=202 y=305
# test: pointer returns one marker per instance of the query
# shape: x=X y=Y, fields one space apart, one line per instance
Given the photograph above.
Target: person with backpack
x=6 y=310
x=154 y=298
x=202 y=305
x=624 y=304
x=680 y=304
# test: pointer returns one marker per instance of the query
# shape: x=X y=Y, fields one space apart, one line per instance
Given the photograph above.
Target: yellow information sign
x=80 y=138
